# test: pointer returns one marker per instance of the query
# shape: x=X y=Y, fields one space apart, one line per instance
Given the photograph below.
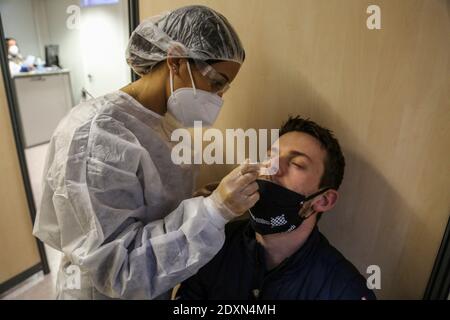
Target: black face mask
x=277 y=209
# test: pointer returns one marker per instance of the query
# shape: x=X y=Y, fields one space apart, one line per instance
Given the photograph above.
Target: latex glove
x=238 y=191
x=206 y=190
x=270 y=166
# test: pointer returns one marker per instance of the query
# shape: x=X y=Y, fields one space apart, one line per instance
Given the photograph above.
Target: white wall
x=18 y=23
x=97 y=47
x=104 y=37
x=100 y=42
x=68 y=41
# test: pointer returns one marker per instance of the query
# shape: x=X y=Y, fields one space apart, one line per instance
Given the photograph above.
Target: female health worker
x=114 y=203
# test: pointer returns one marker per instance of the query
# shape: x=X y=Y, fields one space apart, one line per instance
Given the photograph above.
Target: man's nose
x=281 y=169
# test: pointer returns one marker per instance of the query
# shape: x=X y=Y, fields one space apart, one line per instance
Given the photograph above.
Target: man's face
x=301 y=163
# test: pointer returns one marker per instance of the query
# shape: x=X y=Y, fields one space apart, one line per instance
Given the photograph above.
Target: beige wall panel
x=386 y=95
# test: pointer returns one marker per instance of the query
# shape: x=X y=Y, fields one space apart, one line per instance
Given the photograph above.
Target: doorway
x=64 y=52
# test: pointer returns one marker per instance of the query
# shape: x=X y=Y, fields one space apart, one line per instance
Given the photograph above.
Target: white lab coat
x=114 y=203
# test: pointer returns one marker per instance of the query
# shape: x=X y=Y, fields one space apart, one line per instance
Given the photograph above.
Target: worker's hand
x=238 y=191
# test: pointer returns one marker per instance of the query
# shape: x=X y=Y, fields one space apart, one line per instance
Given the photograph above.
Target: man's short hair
x=334 y=163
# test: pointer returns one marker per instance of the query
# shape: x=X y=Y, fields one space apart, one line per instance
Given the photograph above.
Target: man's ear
x=326 y=201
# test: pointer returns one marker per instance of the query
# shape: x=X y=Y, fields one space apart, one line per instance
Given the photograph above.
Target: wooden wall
x=386 y=95
x=18 y=249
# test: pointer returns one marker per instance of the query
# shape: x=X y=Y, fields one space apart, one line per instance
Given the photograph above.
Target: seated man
x=279 y=253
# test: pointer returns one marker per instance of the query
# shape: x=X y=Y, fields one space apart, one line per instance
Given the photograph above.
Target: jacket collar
x=290 y=264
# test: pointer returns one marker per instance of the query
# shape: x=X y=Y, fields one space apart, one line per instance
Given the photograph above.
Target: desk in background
x=44 y=98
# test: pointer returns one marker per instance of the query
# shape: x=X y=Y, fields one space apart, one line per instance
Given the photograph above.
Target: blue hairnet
x=196 y=32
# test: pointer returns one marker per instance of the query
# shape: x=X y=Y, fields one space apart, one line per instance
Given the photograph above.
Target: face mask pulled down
x=278 y=208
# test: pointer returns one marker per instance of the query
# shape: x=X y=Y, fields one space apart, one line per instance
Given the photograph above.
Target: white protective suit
x=113 y=204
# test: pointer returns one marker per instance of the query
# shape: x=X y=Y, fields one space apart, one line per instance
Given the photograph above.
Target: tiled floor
x=37 y=287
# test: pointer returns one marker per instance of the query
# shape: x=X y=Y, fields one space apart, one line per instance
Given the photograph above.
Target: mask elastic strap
x=192 y=79
x=314 y=195
x=171 y=81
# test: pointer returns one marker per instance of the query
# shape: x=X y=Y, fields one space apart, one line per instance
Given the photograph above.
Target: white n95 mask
x=190 y=104
x=13 y=50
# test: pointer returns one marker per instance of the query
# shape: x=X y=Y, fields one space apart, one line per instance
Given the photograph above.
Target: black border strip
x=438 y=287
x=133 y=22
x=15 y=121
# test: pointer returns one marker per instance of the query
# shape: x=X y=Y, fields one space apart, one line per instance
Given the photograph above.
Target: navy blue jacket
x=316 y=271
